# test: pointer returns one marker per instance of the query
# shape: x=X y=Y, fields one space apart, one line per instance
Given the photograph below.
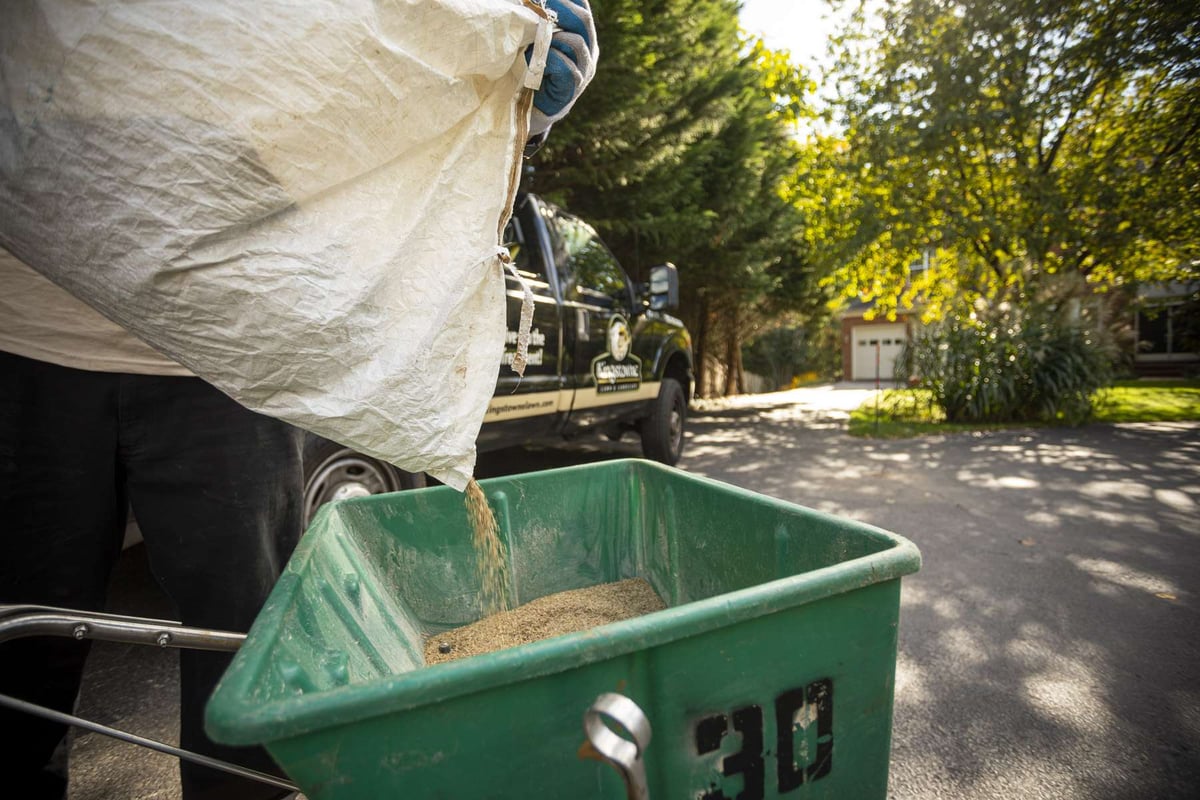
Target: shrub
x=782 y=353
x=1036 y=362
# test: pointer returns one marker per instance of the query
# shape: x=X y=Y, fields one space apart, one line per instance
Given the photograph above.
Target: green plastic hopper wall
x=770 y=674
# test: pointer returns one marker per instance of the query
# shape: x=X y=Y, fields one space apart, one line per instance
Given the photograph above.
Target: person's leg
x=217 y=491
x=62 y=518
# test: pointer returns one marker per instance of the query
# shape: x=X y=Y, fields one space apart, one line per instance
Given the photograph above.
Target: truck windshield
x=590 y=272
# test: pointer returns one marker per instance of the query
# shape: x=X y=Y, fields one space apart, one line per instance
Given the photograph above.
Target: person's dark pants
x=216 y=490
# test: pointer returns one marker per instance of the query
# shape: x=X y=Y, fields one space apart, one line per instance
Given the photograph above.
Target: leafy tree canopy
x=1001 y=141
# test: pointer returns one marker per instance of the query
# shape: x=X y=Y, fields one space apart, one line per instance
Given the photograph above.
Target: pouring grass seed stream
x=552 y=615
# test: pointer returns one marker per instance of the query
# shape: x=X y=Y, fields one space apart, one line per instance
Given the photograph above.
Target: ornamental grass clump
x=1036 y=362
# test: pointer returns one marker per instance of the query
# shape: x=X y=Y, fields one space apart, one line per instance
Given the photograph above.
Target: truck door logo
x=617 y=370
x=618 y=338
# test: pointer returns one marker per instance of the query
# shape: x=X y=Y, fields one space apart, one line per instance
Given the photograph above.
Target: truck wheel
x=334 y=472
x=662 y=431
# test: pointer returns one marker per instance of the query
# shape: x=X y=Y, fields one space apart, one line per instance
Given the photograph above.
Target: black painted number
x=819 y=696
x=748 y=760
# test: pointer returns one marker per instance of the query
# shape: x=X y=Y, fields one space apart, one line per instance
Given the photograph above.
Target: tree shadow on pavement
x=1049 y=645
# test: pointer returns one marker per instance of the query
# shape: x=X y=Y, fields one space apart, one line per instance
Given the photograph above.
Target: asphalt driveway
x=1049 y=647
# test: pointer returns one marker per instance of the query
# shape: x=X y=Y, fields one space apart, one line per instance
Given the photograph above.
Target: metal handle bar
x=152 y=744
x=17 y=621
x=20 y=621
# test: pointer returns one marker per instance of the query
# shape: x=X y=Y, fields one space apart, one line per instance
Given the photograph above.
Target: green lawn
x=1149 y=401
x=899 y=413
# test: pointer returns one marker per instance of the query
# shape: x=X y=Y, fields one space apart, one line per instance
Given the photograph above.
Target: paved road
x=1049 y=647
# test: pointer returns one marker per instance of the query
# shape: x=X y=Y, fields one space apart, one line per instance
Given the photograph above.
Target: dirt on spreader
x=552 y=615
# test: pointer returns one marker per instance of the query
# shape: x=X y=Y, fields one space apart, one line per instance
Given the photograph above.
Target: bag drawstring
x=526 y=323
x=547 y=19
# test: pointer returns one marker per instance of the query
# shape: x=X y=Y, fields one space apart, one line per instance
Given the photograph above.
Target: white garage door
x=885 y=340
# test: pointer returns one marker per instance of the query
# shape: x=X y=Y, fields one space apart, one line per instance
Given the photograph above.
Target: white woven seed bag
x=300 y=202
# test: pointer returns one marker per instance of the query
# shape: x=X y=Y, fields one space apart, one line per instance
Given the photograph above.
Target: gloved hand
x=570 y=65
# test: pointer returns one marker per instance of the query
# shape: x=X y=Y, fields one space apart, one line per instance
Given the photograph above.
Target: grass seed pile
x=552 y=615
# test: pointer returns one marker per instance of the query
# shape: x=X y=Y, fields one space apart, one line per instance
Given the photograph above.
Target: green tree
x=746 y=269
x=665 y=76
x=1016 y=139
x=681 y=150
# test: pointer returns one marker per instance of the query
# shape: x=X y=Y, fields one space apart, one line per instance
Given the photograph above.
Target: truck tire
x=335 y=472
x=662 y=431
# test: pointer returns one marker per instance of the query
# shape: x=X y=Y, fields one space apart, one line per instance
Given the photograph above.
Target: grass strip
x=903 y=413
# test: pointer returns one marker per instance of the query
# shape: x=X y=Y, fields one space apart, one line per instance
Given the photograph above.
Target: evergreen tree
x=681 y=150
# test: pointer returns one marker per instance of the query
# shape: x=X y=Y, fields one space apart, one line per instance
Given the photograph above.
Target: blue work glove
x=570 y=64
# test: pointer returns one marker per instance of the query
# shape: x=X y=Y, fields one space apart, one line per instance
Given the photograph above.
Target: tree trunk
x=732 y=358
x=739 y=370
x=701 y=349
x=735 y=366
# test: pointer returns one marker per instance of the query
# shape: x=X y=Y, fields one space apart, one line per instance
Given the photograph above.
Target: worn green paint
x=764 y=597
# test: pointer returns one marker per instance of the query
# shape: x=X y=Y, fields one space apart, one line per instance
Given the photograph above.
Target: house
x=1162 y=349
x=870 y=347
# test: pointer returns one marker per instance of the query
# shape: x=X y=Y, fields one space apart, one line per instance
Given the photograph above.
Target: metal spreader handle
x=624 y=754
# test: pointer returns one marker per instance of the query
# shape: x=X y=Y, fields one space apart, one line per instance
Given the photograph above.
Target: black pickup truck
x=604 y=356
